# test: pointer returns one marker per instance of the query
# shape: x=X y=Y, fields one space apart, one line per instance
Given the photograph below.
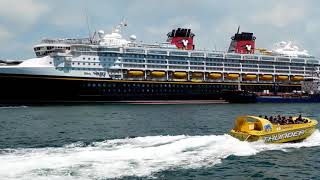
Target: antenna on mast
x=88 y=25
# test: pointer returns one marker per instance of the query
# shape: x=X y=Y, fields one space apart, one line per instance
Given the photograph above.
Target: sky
x=23 y=23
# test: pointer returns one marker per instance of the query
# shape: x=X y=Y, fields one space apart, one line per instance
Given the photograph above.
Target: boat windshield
x=249 y=123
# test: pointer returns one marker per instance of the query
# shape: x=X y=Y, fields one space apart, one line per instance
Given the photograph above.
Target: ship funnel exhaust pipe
x=242 y=43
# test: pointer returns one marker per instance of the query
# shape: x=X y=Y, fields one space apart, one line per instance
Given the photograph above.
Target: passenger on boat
x=283 y=120
x=271 y=119
x=279 y=119
x=299 y=120
x=290 y=121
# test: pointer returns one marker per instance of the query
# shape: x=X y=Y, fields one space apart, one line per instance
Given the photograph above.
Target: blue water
x=148 y=142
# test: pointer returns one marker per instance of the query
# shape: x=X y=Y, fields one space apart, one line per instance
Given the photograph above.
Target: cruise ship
x=109 y=68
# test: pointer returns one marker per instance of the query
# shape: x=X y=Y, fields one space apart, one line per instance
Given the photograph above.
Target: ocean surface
x=148 y=142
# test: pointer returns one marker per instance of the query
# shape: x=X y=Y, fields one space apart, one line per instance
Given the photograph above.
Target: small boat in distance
x=252 y=128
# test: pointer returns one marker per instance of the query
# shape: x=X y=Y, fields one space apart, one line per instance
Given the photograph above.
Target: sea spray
x=140 y=156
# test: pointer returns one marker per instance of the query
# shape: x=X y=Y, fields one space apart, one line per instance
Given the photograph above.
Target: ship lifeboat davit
x=215 y=75
x=232 y=76
x=250 y=77
x=158 y=74
x=180 y=75
x=266 y=77
x=135 y=73
x=282 y=78
x=252 y=128
x=297 y=78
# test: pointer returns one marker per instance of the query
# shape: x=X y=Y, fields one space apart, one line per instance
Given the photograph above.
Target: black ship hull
x=23 y=89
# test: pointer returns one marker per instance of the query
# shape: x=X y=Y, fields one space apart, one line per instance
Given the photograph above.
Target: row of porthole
x=113 y=85
x=186 y=87
x=177 y=90
x=151 y=91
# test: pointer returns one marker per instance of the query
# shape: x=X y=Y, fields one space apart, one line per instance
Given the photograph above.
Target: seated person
x=290 y=120
x=283 y=120
x=299 y=120
x=271 y=119
x=279 y=118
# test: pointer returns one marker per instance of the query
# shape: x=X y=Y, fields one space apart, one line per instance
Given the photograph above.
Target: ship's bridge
x=45 y=49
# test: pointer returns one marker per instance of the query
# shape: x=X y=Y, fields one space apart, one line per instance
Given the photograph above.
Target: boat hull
x=294 y=135
x=24 y=89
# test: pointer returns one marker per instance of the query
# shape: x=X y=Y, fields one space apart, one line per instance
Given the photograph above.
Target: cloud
x=64 y=19
x=17 y=18
x=213 y=21
x=22 y=12
x=281 y=14
x=5 y=35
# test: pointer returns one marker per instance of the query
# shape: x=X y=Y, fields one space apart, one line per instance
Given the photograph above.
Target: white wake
x=141 y=156
x=12 y=107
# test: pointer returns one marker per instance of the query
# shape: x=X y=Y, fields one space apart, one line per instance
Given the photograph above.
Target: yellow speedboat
x=252 y=128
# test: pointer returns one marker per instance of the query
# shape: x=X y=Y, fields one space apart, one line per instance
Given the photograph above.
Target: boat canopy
x=249 y=123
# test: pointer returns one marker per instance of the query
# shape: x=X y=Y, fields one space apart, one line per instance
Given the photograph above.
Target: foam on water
x=12 y=107
x=141 y=156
